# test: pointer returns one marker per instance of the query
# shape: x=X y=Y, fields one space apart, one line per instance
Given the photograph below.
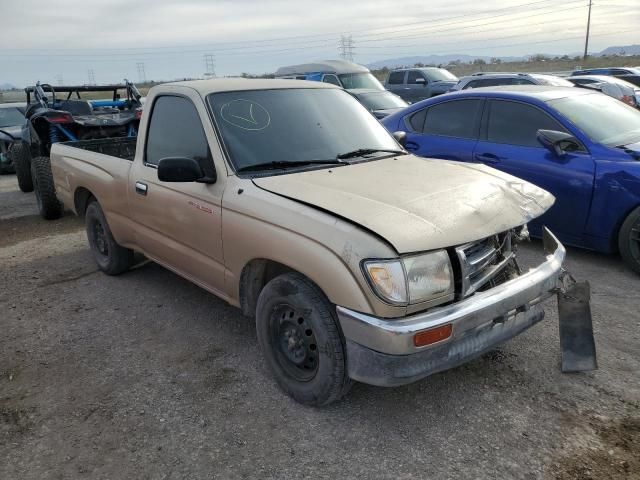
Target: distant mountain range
x=446 y=59
x=626 y=50
x=6 y=86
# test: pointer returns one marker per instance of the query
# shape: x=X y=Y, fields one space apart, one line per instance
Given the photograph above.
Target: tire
x=49 y=206
x=22 y=164
x=111 y=258
x=629 y=240
x=300 y=338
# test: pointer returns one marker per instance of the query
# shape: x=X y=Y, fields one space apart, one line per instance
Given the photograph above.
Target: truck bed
x=124 y=148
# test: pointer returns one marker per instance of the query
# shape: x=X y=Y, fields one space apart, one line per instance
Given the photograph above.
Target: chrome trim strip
x=395 y=336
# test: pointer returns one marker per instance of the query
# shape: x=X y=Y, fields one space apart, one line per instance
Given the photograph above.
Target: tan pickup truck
x=289 y=200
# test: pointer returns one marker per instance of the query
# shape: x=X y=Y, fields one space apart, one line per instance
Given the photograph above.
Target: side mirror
x=401 y=138
x=558 y=142
x=180 y=169
x=421 y=81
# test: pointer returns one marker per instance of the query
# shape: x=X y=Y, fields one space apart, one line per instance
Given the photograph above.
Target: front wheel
x=629 y=240
x=111 y=257
x=300 y=338
x=49 y=206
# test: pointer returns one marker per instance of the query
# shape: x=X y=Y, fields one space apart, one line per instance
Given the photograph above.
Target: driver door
x=179 y=224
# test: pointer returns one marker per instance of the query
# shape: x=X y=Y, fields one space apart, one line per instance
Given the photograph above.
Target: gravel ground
x=147 y=376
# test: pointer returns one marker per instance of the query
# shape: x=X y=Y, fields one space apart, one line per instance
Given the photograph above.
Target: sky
x=71 y=41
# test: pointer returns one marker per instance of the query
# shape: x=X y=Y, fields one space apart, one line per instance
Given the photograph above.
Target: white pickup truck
x=289 y=200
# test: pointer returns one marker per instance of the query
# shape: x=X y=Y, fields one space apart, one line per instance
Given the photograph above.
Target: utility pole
x=210 y=66
x=586 y=40
x=345 y=47
x=92 y=76
x=142 y=76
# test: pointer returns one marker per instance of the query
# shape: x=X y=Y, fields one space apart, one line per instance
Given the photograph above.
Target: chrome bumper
x=382 y=351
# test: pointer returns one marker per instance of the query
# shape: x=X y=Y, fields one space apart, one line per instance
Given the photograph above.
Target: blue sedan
x=581 y=146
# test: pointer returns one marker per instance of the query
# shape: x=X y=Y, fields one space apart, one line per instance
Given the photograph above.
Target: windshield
x=440 y=75
x=381 y=101
x=360 y=80
x=552 y=81
x=10 y=117
x=604 y=119
x=294 y=125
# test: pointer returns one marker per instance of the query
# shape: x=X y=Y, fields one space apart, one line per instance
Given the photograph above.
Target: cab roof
x=205 y=87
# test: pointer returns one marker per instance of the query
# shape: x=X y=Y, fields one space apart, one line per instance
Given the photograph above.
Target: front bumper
x=382 y=351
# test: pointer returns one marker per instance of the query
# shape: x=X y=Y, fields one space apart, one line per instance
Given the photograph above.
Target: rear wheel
x=629 y=240
x=22 y=163
x=49 y=206
x=301 y=340
x=111 y=258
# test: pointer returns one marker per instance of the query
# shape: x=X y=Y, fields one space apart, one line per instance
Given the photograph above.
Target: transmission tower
x=346 y=47
x=92 y=76
x=210 y=66
x=142 y=76
x=59 y=79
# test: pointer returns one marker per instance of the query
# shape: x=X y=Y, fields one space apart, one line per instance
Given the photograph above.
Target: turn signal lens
x=387 y=277
x=433 y=335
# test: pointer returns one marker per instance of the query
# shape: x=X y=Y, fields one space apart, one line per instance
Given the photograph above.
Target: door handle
x=411 y=146
x=141 y=188
x=487 y=158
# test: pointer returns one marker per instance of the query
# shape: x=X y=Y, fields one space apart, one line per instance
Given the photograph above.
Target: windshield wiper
x=287 y=164
x=361 y=152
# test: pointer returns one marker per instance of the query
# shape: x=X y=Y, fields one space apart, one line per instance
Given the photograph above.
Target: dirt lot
x=147 y=376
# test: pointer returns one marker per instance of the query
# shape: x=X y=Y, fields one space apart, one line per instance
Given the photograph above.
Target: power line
x=429 y=24
x=378 y=39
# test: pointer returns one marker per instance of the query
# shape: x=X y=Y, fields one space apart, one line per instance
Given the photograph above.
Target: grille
x=486 y=263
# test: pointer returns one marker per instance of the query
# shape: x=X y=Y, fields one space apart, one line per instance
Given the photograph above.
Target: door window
x=332 y=79
x=619 y=71
x=414 y=75
x=456 y=118
x=396 y=78
x=175 y=130
x=516 y=123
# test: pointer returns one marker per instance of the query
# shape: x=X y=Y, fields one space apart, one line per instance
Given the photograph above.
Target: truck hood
x=417 y=204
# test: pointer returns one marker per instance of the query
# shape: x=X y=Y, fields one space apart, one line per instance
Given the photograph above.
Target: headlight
x=428 y=276
x=414 y=279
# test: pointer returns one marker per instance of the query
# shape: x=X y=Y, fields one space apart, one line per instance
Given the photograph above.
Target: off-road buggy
x=64 y=114
x=11 y=121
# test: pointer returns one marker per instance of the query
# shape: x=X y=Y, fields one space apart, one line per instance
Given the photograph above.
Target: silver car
x=495 y=79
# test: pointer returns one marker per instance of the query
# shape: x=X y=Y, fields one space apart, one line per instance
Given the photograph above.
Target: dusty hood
x=418 y=204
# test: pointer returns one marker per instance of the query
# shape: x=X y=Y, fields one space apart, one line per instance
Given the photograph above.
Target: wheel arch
x=81 y=199
x=255 y=275
x=257 y=272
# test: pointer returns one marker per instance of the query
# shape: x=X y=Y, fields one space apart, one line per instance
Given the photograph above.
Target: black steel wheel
x=629 y=240
x=300 y=338
x=296 y=344
x=111 y=257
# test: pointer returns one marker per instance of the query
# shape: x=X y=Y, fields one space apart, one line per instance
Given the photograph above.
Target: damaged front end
x=495 y=302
